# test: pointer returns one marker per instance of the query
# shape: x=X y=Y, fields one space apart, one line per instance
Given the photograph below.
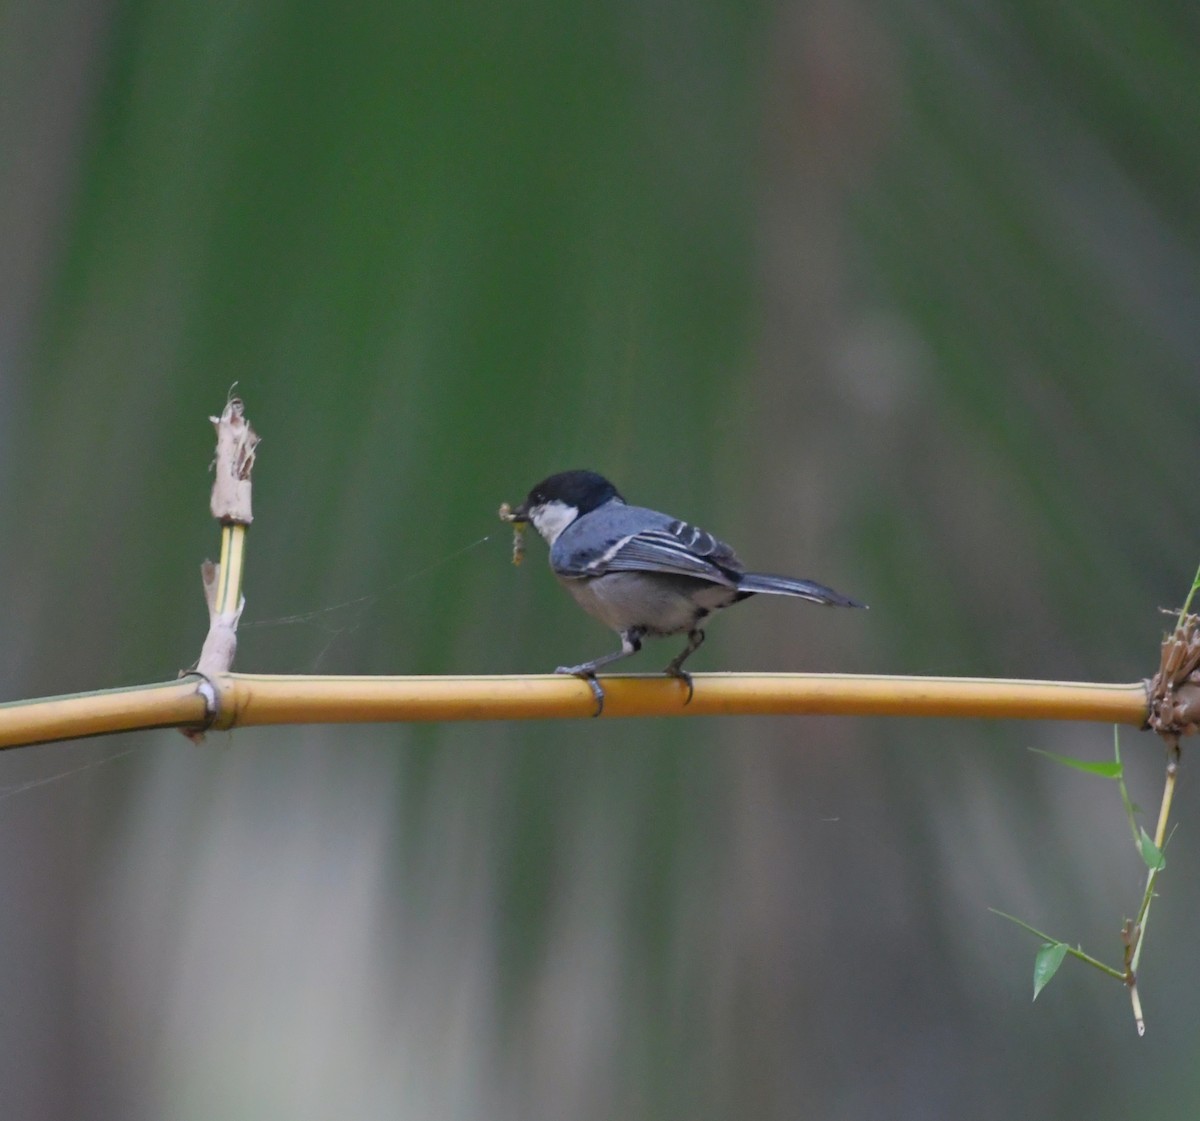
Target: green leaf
x=1046 y=964
x=1151 y=853
x=1104 y=770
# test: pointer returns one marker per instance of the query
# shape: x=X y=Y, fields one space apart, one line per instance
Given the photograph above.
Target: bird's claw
x=682 y=675
x=589 y=676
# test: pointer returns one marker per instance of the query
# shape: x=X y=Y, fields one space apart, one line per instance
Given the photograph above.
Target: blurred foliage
x=900 y=298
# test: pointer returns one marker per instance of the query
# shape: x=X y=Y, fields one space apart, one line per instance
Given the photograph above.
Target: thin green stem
x=1187 y=604
x=1074 y=951
x=1160 y=840
x=1142 y=919
x=1126 y=801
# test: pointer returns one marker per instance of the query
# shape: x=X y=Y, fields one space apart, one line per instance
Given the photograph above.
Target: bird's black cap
x=585 y=490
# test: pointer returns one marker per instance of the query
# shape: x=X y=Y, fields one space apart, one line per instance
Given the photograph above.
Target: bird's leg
x=631 y=643
x=695 y=638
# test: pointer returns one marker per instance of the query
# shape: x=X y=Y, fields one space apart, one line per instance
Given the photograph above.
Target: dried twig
x=230 y=504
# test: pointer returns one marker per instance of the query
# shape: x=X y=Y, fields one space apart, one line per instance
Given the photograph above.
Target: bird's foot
x=589 y=675
x=682 y=675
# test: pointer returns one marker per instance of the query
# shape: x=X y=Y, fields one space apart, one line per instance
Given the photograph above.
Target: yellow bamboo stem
x=247 y=699
x=168 y=704
x=1164 y=809
x=258 y=699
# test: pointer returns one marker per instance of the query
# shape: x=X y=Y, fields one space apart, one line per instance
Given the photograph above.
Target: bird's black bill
x=517 y=515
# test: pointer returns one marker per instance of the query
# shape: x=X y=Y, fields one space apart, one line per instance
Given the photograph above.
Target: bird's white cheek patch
x=551 y=518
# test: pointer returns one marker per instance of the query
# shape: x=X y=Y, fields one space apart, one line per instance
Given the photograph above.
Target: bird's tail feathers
x=764 y=583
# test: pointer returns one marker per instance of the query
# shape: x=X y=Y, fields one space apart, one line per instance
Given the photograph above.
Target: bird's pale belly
x=659 y=604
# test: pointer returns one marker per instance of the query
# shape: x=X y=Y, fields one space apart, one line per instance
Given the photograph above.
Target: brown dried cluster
x=1175 y=689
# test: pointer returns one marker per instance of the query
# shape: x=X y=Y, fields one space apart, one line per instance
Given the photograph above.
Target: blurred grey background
x=902 y=297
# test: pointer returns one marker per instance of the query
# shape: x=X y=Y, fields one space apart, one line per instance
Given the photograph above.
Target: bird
x=641 y=572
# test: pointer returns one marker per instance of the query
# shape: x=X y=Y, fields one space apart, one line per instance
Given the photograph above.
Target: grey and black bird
x=642 y=572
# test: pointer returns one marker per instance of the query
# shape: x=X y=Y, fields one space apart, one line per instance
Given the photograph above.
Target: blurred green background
x=899 y=297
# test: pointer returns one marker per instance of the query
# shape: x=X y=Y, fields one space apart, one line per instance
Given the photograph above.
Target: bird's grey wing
x=671 y=547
